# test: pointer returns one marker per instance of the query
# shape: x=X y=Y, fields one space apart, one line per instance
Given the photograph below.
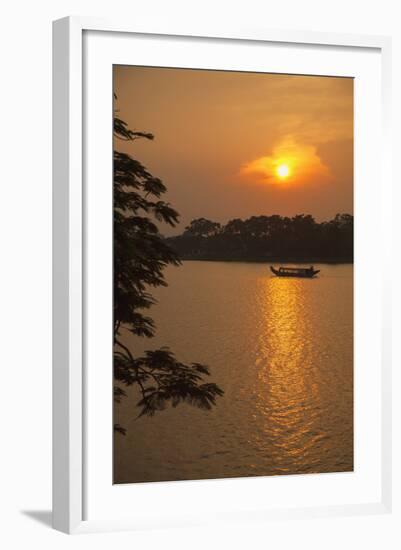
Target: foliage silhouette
x=140 y=256
x=268 y=238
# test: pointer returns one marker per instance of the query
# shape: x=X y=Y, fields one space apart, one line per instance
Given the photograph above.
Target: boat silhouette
x=305 y=272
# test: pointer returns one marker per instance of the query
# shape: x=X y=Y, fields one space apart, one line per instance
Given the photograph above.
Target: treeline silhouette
x=268 y=238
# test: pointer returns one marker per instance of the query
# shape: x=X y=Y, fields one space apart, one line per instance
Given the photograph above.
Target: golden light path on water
x=282 y=351
x=288 y=390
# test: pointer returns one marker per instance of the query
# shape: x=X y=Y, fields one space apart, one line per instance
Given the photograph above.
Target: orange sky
x=221 y=136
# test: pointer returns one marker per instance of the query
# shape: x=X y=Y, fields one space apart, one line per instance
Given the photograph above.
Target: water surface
x=282 y=350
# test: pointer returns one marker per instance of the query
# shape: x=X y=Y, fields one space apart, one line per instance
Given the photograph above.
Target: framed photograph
x=221 y=303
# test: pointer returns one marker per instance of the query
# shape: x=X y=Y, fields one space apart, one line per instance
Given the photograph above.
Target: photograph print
x=233 y=274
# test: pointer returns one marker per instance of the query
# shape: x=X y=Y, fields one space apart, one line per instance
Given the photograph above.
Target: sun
x=283 y=171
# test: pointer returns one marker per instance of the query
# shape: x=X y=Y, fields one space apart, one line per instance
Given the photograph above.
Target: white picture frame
x=71 y=421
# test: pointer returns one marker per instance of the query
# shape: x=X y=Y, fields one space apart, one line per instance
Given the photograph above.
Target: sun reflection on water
x=289 y=392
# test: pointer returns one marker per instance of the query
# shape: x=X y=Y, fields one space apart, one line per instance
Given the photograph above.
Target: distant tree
x=234 y=227
x=344 y=220
x=140 y=256
x=267 y=238
x=201 y=227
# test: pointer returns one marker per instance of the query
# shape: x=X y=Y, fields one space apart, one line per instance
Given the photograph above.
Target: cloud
x=304 y=164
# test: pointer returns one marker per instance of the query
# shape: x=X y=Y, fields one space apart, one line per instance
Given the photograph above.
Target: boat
x=306 y=272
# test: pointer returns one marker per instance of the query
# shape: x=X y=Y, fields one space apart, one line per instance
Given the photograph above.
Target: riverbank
x=276 y=260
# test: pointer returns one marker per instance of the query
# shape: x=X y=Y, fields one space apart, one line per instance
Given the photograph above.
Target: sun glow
x=283 y=171
x=289 y=161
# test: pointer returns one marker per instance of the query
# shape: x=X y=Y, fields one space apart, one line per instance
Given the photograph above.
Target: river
x=282 y=351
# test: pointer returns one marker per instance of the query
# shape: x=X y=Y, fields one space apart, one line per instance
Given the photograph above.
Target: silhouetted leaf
x=140 y=256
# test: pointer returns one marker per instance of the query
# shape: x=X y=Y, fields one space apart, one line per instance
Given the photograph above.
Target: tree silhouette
x=201 y=227
x=268 y=238
x=140 y=256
